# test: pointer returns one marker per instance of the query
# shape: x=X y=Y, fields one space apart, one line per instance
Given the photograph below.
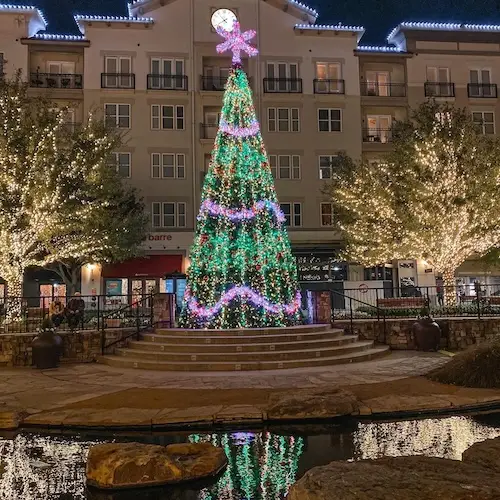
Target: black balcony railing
x=167 y=82
x=383 y=89
x=208 y=130
x=377 y=135
x=216 y=83
x=56 y=81
x=439 y=89
x=118 y=80
x=482 y=89
x=283 y=85
x=328 y=86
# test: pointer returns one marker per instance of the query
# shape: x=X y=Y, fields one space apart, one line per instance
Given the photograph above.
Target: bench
x=401 y=303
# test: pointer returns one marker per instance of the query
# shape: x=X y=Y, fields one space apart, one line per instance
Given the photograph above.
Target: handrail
x=380 y=311
x=134 y=307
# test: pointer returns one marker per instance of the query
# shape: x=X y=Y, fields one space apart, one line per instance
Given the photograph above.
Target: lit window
x=327 y=214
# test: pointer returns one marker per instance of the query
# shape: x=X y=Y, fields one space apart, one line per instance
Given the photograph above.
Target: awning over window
x=152 y=266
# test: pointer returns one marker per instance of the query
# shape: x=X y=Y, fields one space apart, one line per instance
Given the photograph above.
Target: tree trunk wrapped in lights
x=60 y=199
x=242 y=272
x=435 y=197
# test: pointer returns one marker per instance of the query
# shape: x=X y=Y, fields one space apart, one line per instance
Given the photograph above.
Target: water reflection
x=262 y=465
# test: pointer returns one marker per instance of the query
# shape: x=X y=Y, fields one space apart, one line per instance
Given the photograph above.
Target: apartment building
x=317 y=92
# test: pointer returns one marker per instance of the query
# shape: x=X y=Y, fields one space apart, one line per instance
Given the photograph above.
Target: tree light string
x=236 y=215
x=237 y=131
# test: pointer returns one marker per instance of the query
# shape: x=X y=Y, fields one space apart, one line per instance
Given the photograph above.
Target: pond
x=262 y=464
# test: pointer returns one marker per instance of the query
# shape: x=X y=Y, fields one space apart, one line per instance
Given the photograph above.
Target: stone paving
x=36 y=390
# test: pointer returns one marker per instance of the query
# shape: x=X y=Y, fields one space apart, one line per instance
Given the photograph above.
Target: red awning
x=152 y=266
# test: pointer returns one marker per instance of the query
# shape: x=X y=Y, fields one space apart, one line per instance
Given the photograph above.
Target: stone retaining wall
x=457 y=333
x=78 y=347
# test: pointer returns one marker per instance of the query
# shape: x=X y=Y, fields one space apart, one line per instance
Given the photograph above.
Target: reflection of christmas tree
x=242 y=271
x=260 y=466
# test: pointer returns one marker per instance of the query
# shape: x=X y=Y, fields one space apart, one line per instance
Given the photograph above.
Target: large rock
x=486 y=453
x=401 y=478
x=126 y=465
x=311 y=403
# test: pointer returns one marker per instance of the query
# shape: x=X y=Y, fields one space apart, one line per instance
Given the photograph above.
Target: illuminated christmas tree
x=242 y=272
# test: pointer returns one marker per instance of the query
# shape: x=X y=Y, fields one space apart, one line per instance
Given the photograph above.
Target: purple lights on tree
x=236 y=41
x=241 y=292
x=252 y=129
x=236 y=215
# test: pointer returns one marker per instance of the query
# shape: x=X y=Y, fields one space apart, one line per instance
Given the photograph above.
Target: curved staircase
x=178 y=349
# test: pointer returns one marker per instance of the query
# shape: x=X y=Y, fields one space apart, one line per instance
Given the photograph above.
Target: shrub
x=478 y=366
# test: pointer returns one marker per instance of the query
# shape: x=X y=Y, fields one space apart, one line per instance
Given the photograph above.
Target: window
x=327 y=214
x=282 y=77
x=326 y=165
x=330 y=120
x=122 y=162
x=118 y=72
x=379 y=128
x=485 y=121
x=117 y=115
x=438 y=82
x=168 y=166
x=167 y=117
x=377 y=83
x=285 y=166
x=293 y=214
x=60 y=68
x=167 y=73
x=283 y=119
x=169 y=214
x=480 y=83
x=328 y=78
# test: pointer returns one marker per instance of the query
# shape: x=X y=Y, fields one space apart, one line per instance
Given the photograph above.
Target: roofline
x=431 y=26
x=82 y=18
x=24 y=8
x=359 y=30
x=56 y=39
x=381 y=49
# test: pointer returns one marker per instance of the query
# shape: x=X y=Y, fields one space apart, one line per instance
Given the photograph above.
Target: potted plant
x=46 y=346
x=426 y=331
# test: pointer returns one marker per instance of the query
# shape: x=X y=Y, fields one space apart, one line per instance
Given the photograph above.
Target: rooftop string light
x=23 y=8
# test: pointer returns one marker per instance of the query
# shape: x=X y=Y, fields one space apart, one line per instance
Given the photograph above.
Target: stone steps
x=250 y=344
x=145 y=364
x=241 y=357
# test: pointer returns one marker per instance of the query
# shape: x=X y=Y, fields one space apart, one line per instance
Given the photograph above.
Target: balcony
x=283 y=85
x=322 y=86
x=377 y=135
x=167 y=82
x=117 y=80
x=439 y=89
x=56 y=81
x=208 y=130
x=213 y=83
x=383 y=89
x=486 y=90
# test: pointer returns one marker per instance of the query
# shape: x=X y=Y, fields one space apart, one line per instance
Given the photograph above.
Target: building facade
x=317 y=91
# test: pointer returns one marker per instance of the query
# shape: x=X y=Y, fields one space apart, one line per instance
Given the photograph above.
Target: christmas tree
x=242 y=272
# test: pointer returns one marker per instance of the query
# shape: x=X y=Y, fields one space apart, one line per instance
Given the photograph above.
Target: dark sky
x=377 y=16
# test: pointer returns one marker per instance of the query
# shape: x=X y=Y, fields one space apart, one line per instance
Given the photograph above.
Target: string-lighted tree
x=242 y=272
x=435 y=197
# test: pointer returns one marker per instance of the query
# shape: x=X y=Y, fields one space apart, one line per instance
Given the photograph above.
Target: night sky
x=377 y=16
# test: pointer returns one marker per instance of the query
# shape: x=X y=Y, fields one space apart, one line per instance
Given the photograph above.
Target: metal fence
x=93 y=312
x=473 y=300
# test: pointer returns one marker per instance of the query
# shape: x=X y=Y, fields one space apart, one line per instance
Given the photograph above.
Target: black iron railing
x=378 y=135
x=167 y=82
x=214 y=83
x=322 y=86
x=383 y=89
x=482 y=90
x=283 y=85
x=56 y=81
x=118 y=80
x=208 y=130
x=439 y=89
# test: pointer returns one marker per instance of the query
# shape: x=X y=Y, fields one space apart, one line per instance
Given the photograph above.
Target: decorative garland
x=235 y=215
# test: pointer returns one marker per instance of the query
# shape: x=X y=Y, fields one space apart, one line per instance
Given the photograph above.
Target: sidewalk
x=93 y=394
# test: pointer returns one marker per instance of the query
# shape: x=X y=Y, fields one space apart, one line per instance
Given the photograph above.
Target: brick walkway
x=34 y=390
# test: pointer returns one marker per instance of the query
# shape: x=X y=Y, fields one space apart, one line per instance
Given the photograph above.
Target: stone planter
x=427 y=334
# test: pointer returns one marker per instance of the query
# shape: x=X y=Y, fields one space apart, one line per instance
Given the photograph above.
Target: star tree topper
x=237 y=42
